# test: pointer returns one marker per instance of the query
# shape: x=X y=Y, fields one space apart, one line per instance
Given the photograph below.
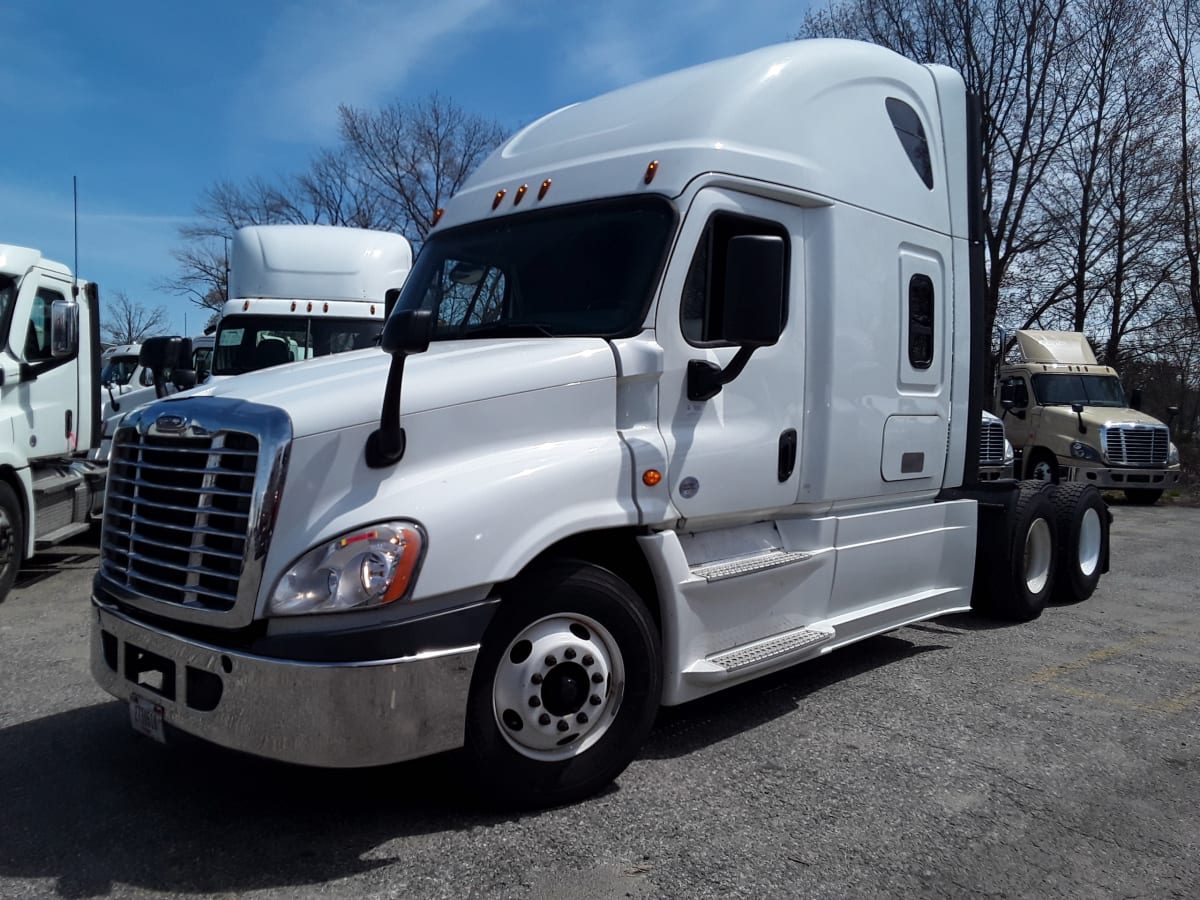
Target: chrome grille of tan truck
x=1136 y=445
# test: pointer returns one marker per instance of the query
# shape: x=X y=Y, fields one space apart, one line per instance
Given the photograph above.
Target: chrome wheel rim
x=1038 y=553
x=1090 y=542
x=558 y=687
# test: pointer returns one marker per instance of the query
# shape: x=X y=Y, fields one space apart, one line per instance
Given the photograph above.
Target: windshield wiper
x=509 y=329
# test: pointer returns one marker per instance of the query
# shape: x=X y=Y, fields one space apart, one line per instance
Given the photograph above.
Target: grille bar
x=991 y=444
x=178 y=516
x=1137 y=445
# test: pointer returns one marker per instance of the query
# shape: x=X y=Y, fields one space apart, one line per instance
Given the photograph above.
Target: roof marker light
x=545 y=187
x=309 y=306
x=372 y=309
x=326 y=309
x=651 y=171
x=520 y=193
x=245 y=305
x=293 y=306
x=499 y=196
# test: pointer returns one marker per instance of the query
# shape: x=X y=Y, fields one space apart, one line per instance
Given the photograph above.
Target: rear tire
x=566 y=687
x=1142 y=496
x=1018 y=574
x=1082 y=519
x=12 y=538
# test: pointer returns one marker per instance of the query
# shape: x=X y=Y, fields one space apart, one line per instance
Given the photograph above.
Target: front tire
x=1082 y=520
x=566 y=687
x=1042 y=467
x=12 y=538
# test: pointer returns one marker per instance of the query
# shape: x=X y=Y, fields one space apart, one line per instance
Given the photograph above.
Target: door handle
x=787 y=454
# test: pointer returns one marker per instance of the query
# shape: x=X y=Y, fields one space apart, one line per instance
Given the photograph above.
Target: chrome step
x=748 y=565
x=756 y=653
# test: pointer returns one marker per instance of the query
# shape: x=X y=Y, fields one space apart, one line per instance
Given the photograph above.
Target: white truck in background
x=1069 y=419
x=685 y=387
x=297 y=292
x=49 y=406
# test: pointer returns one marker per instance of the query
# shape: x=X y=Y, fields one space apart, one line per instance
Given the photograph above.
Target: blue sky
x=148 y=103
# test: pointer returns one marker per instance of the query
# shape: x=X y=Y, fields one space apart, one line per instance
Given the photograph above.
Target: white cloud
x=323 y=53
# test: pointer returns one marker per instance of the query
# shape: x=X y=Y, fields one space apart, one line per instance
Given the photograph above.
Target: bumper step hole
x=204 y=688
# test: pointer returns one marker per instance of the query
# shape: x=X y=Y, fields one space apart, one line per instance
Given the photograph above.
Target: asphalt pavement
x=1059 y=758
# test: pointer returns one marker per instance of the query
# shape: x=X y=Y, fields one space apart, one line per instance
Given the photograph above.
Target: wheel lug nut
x=581 y=718
x=537 y=678
x=597 y=678
x=595 y=700
x=544 y=719
x=562 y=725
x=569 y=653
x=535 y=702
x=588 y=659
x=551 y=660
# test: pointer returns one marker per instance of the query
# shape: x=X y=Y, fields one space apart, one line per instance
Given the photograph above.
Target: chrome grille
x=178 y=516
x=991 y=444
x=1136 y=445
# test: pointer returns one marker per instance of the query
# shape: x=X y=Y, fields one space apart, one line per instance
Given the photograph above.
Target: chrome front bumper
x=318 y=714
x=1121 y=479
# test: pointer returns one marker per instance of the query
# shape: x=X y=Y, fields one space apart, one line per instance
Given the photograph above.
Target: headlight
x=1083 y=451
x=1173 y=455
x=1009 y=455
x=361 y=569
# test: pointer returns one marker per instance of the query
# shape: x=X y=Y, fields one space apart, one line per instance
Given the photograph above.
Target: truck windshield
x=118 y=370
x=588 y=269
x=1090 y=390
x=247 y=343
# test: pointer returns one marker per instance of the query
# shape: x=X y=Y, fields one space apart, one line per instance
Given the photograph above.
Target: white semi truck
x=296 y=291
x=49 y=406
x=684 y=387
x=1069 y=419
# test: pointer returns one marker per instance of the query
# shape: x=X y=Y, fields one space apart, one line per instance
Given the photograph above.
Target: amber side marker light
x=437 y=216
x=544 y=188
x=520 y=194
x=651 y=477
x=651 y=171
x=499 y=196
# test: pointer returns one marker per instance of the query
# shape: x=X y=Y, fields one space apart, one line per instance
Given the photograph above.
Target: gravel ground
x=1057 y=758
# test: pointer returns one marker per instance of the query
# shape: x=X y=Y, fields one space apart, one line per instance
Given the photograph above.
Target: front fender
x=494 y=482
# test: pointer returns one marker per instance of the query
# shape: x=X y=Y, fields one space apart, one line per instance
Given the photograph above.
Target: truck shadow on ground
x=94 y=807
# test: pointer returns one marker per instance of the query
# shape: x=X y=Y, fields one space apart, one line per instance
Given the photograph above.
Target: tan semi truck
x=1068 y=419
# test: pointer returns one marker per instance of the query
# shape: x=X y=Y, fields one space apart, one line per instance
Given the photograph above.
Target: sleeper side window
x=911 y=133
x=702 y=308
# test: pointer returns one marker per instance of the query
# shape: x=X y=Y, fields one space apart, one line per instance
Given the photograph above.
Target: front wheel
x=1142 y=496
x=12 y=538
x=1042 y=467
x=565 y=689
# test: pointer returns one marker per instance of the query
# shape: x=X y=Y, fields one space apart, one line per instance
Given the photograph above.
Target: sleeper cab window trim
x=911 y=133
x=702 y=306
x=920 y=321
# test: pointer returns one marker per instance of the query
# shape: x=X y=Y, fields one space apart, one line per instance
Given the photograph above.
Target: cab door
x=734 y=455
x=48 y=393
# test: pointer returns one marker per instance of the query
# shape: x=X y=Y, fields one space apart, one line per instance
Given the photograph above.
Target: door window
x=37 y=334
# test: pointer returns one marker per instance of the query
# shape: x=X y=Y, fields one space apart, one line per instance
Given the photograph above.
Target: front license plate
x=146 y=716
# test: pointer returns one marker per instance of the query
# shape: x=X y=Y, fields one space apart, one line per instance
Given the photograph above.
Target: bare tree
x=417 y=155
x=1014 y=56
x=125 y=321
x=392 y=169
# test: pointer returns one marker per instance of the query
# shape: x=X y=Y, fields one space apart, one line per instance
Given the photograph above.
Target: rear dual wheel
x=1083 y=519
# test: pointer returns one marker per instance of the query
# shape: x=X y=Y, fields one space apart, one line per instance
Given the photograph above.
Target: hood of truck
x=1064 y=420
x=346 y=389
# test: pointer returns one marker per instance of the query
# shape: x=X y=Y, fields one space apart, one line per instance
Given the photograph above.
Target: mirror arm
x=705 y=379
x=385 y=445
